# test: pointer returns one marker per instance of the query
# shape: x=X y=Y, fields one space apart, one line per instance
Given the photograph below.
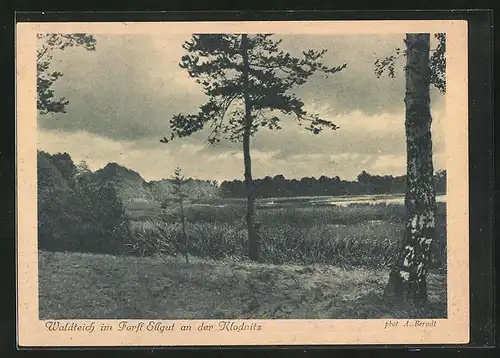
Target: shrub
x=95 y=219
x=78 y=213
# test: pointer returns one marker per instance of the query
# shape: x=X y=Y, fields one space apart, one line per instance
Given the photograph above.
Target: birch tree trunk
x=253 y=249
x=407 y=280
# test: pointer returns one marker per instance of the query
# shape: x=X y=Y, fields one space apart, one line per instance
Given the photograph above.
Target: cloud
x=132 y=85
x=379 y=134
x=156 y=160
x=129 y=88
x=356 y=88
x=123 y=95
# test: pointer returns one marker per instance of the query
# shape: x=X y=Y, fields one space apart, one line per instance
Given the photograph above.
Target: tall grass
x=357 y=235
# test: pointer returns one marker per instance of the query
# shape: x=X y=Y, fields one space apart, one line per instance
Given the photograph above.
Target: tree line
x=366 y=184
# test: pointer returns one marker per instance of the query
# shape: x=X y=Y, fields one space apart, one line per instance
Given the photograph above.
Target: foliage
x=216 y=62
x=77 y=212
x=177 y=190
x=53 y=192
x=65 y=165
x=279 y=186
x=194 y=189
x=180 y=197
x=82 y=169
x=437 y=63
x=130 y=185
x=46 y=101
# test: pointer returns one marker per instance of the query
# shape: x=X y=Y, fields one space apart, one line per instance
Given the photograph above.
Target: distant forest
x=366 y=183
x=132 y=188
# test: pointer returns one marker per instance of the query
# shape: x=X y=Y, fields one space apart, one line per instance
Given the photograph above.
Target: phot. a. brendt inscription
x=410 y=323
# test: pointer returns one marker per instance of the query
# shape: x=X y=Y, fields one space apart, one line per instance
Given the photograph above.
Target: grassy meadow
x=96 y=286
x=358 y=235
x=316 y=262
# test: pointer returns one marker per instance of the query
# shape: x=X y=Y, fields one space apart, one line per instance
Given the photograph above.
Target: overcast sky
x=123 y=95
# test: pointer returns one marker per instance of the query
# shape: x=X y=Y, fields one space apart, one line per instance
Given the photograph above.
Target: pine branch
x=216 y=63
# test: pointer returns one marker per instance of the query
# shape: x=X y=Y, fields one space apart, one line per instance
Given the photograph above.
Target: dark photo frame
x=480 y=136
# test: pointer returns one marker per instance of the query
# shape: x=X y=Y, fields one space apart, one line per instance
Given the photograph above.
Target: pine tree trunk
x=407 y=281
x=253 y=249
x=183 y=223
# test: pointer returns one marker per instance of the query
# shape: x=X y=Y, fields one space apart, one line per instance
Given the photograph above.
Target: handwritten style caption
x=151 y=326
x=410 y=323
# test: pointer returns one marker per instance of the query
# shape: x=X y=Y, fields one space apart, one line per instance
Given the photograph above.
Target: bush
x=78 y=213
x=95 y=220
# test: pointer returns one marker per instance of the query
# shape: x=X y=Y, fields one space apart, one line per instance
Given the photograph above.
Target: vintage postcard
x=242 y=183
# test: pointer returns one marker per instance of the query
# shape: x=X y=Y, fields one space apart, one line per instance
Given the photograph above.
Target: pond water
x=372 y=199
x=318 y=201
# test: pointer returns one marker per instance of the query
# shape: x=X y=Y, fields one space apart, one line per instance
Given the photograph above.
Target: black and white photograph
x=241 y=176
